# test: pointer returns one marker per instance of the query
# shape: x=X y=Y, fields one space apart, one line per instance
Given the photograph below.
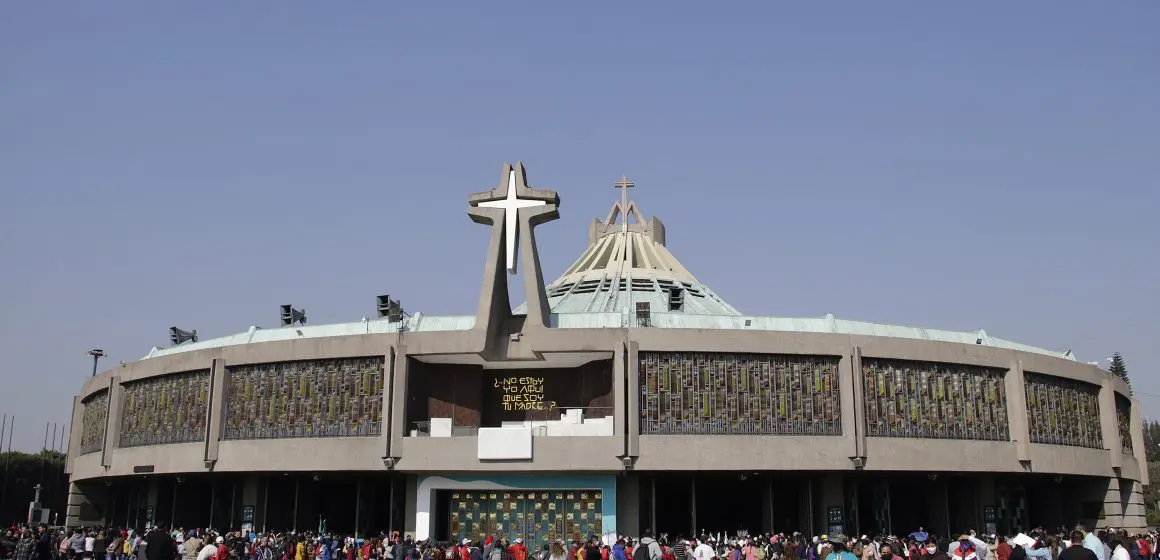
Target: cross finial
x=624 y=184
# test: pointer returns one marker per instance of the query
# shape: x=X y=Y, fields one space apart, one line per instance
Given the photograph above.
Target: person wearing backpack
x=649 y=548
x=1144 y=546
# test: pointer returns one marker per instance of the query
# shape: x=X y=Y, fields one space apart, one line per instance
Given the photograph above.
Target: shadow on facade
x=346 y=502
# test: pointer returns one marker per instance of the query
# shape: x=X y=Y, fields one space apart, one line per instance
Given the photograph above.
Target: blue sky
x=977 y=165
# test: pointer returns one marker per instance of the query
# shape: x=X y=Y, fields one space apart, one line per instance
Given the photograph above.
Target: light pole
x=97 y=354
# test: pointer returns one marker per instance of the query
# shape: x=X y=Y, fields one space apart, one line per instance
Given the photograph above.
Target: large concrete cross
x=513 y=210
x=511 y=205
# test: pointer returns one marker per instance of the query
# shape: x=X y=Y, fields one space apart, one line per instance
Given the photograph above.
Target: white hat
x=519 y=540
x=220 y=540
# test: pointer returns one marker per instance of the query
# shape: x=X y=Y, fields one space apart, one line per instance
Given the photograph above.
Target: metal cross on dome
x=511 y=205
x=624 y=184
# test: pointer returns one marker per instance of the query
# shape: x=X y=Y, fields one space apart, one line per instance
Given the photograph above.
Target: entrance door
x=729 y=503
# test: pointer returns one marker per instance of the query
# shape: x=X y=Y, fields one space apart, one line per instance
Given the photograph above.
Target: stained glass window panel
x=907 y=398
x=311 y=398
x=1124 y=422
x=685 y=393
x=94 y=421
x=166 y=409
x=1063 y=412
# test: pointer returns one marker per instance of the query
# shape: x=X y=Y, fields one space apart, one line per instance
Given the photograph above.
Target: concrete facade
x=501 y=339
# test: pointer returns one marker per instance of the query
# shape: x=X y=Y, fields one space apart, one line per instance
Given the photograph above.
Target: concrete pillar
x=386 y=427
x=410 y=512
x=619 y=379
x=828 y=494
x=1135 y=518
x=633 y=411
x=251 y=502
x=628 y=504
x=859 y=401
x=1017 y=423
x=1138 y=450
x=938 y=507
x=215 y=410
x=152 y=516
x=398 y=396
x=766 y=499
x=848 y=395
x=84 y=507
x=1110 y=423
x=985 y=495
x=113 y=421
x=74 y=437
x=1113 y=508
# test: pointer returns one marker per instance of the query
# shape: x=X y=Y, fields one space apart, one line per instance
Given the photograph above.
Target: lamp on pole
x=97 y=354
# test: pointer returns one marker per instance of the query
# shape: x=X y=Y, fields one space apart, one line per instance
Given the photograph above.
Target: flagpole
x=7 y=462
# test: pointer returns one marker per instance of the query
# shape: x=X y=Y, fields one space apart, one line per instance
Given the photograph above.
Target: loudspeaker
x=178 y=336
x=291 y=316
x=394 y=311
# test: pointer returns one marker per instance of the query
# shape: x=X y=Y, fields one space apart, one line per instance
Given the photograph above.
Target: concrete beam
x=398 y=396
x=1110 y=423
x=112 y=420
x=215 y=410
x=1138 y=449
x=848 y=397
x=633 y=411
x=1017 y=423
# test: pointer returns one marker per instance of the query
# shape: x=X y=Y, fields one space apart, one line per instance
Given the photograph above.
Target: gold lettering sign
x=523 y=393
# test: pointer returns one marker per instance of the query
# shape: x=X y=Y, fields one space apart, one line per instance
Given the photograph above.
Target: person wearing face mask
x=886 y=552
x=930 y=551
x=979 y=547
x=967 y=548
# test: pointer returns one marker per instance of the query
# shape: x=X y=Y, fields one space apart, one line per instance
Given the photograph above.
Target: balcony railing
x=575 y=421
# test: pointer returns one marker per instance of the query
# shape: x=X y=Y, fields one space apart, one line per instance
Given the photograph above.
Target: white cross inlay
x=511 y=205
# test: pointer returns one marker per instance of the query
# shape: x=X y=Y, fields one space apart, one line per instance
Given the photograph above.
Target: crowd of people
x=43 y=543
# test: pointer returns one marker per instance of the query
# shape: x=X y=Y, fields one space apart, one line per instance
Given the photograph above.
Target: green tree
x=1152 y=440
x=1118 y=369
x=21 y=473
x=1152 y=494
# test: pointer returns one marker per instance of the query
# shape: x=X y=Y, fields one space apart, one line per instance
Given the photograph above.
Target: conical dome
x=627 y=263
